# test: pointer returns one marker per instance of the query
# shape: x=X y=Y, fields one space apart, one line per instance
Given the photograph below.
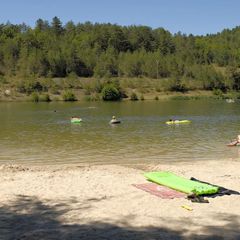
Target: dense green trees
x=105 y=50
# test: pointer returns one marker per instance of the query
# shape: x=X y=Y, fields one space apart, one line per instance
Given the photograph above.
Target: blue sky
x=187 y=16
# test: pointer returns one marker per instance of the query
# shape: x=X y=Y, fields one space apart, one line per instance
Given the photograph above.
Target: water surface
x=42 y=133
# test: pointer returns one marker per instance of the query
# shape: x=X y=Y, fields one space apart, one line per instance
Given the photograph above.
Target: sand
x=99 y=202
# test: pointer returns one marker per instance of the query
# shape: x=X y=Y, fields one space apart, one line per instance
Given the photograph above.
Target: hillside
x=31 y=58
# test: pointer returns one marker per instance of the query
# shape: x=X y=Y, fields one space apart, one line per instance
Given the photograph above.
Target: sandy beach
x=99 y=202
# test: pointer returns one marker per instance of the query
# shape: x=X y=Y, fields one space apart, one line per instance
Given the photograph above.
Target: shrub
x=34 y=97
x=156 y=98
x=29 y=86
x=142 y=98
x=69 y=96
x=134 y=97
x=110 y=93
x=45 y=98
x=177 y=85
x=217 y=92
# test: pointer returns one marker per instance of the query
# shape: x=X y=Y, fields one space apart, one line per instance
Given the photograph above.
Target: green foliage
x=94 y=97
x=34 y=97
x=110 y=93
x=51 y=50
x=45 y=98
x=29 y=86
x=69 y=96
x=133 y=97
x=217 y=92
x=178 y=86
x=156 y=98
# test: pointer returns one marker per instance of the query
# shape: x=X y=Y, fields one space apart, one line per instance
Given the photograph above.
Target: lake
x=41 y=133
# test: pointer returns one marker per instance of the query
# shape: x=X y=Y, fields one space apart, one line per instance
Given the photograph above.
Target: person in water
x=236 y=141
x=114 y=120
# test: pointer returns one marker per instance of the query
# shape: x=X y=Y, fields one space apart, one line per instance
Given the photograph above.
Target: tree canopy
x=100 y=50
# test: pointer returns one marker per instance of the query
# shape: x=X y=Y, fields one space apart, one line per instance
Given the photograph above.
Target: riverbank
x=99 y=202
x=91 y=89
x=80 y=95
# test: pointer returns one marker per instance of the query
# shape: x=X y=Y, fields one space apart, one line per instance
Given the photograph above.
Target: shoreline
x=99 y=202
x=149 y=96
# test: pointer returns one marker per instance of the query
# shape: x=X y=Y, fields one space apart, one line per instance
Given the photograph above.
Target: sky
x=197 y=17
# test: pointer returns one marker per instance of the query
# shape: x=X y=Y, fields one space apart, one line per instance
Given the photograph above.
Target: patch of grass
x=93 y=97
x=69 y=96
x=45 y=98
x=34 y=97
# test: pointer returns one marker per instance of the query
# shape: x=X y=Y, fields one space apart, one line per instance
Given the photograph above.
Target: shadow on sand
x=28 y=218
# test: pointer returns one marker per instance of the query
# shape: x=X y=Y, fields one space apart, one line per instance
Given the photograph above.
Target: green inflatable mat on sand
x=181 y=184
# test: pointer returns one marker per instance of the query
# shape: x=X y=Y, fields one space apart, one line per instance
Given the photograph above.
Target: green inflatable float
x=181 y=184
x=76 y=120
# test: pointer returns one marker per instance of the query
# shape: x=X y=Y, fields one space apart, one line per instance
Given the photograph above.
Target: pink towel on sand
x=160 y=191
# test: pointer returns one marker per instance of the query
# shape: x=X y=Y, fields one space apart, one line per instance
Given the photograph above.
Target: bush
x=34 y=97
x=156 y=98
x=177 y=85
x=142 y=98
x=29 y=86
x=217 y=92
x=110 y=93
x=45 y=98
x=134 y=97
x=69 y=96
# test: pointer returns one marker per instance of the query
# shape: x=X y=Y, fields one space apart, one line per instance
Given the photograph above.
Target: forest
x=179 y=62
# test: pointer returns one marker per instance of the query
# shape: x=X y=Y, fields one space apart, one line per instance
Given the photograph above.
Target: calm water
x=36 y=133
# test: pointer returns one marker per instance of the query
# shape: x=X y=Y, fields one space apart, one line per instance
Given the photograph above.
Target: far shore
x=81 y=96
x=99 y=202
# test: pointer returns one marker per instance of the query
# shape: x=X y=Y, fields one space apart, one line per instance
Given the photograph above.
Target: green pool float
x=181 y=184
x=76 y=120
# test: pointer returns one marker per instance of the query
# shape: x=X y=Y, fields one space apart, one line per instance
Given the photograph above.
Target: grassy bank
x=91 y=89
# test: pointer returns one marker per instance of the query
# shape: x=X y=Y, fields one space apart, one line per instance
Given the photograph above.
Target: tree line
x=54 y=50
